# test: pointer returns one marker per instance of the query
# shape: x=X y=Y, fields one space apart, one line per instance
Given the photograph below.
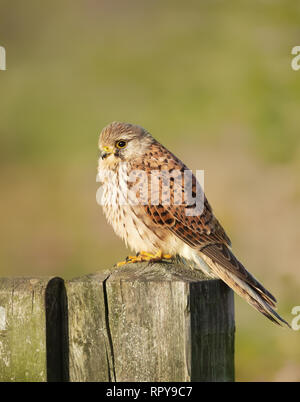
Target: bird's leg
x=145 y=256
x=154 y=257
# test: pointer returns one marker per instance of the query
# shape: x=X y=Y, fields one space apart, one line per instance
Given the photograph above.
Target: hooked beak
x=105 y=152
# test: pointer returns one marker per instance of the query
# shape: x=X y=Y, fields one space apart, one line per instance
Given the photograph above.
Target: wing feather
x=202 y=232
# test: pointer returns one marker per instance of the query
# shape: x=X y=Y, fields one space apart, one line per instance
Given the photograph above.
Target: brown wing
x=198 y=230
x=202 y=231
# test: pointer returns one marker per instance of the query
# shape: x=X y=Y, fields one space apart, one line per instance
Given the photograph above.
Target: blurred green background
x=212 y=80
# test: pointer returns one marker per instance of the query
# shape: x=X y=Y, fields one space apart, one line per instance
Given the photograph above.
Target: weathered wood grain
x=150 y=322
x=32 y=341
x=90 y=357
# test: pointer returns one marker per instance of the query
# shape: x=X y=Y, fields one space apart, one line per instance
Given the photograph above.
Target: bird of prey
x=158 y=219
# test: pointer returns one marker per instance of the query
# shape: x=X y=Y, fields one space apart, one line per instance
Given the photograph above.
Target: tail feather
x=258 y=297
x=252 y=296
x=222 y=254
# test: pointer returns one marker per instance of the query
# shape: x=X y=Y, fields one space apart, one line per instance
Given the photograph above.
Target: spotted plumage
x=165 y=218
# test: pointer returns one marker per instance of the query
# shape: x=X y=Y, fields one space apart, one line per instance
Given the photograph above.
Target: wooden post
x=150 y=322
x=33 y=332
x=90 y=357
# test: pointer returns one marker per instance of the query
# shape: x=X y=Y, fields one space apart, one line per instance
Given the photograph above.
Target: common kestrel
x=160 y=221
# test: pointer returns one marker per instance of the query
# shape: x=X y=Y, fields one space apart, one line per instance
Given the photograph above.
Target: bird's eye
x=121 y=144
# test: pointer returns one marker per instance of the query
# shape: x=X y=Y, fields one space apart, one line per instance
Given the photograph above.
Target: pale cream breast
x=130 y=221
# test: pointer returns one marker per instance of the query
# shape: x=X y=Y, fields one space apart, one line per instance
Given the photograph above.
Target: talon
x=119 y=264
x=145 y=256
x=129 y=260
x=155 y=257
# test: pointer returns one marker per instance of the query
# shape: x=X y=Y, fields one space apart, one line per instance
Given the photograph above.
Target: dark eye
x=121 y=144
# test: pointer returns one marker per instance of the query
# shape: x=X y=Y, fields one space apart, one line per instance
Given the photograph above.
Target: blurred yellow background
x=212 y=80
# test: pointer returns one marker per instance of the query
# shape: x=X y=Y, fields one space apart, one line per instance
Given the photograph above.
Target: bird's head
x=122 y=142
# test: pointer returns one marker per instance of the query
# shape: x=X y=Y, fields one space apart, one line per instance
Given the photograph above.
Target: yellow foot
x=154 y=257
x=144 y=256
x=130 y=260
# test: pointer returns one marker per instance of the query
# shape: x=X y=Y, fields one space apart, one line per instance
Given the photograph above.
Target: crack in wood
x=109 y=335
